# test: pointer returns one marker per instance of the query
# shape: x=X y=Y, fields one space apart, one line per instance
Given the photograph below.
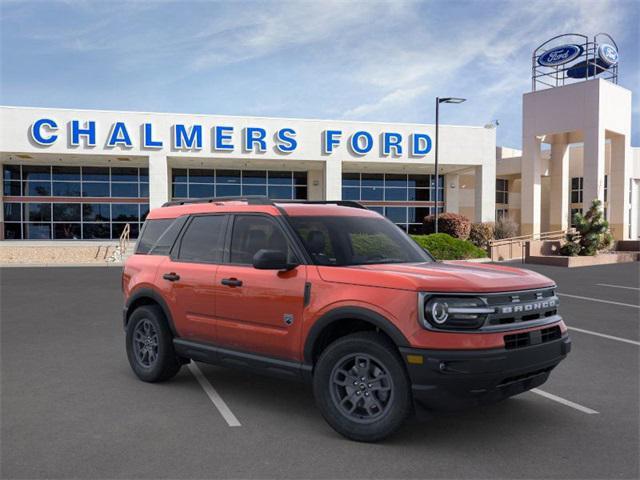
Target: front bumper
x=452 y=379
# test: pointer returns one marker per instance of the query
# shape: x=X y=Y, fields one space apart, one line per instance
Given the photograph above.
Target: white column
x=485 y=192
x=158 y=180
x=332 y=179
x=531 y=188
x=618 y=188
x=593 y=167
x=315 y=188
x=559 y=195
x=452 y=192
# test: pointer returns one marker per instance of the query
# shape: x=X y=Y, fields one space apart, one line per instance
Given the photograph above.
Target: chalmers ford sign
x=222 y=138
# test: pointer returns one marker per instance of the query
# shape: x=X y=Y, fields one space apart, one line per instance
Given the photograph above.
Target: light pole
x=438 y=102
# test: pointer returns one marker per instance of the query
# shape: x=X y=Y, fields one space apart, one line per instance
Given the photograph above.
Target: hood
x=438 y=277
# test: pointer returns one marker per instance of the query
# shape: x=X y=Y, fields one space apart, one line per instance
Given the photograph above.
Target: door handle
x=231 y=282
x=172 y=277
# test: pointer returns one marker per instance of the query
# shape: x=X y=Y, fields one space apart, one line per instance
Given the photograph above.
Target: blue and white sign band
x=560 y=55
x=45 y=132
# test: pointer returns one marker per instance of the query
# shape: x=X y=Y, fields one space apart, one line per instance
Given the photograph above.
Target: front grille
x=535 y=337
x=519 y=307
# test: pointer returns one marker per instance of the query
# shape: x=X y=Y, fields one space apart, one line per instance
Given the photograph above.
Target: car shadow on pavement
x=268 y=402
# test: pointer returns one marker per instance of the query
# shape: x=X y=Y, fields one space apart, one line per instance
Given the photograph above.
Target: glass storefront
x=412 y=197
x=76 y=202
x=200 y=182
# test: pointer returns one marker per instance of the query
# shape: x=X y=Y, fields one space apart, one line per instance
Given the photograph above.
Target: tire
x=150 y=345
x=384 y=400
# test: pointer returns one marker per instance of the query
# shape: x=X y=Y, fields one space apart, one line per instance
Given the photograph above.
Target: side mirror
x=272 y=260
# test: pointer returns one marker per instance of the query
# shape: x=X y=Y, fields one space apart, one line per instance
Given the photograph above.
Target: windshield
x=347 y=240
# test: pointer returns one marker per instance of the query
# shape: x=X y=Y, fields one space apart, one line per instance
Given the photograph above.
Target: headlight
x=455 y=312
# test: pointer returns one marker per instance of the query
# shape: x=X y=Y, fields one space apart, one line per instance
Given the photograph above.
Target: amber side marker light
x=415 y=359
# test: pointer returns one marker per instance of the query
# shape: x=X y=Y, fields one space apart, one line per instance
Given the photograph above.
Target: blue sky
x=369 y=60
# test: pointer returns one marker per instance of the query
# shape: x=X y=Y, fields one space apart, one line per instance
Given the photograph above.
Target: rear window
x=151 y=232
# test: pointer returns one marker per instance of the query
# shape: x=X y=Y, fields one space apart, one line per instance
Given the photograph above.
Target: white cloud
x=489 y=55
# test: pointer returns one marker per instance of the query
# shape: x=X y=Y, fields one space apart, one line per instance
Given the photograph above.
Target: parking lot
x=71 y=407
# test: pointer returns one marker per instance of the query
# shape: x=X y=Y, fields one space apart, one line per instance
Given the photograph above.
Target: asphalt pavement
x=72 y=408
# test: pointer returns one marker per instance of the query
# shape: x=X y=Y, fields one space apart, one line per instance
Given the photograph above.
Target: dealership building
x=85 y=174
x=81 y=174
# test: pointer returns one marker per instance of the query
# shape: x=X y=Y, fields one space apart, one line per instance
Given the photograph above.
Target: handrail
x=531 y=237
x=123 y=244
x=498 y=248
x=123 y=241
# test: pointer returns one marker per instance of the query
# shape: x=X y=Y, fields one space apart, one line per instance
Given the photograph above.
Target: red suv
x=336 y=295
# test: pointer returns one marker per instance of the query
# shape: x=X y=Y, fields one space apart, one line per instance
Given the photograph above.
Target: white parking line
x=564 y=401
x=599 y=300
x=603 y=335
x=616 y=286
x=213 y=395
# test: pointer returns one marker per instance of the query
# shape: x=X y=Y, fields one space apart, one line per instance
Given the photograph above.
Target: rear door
x=188 y=276
x=259 y=311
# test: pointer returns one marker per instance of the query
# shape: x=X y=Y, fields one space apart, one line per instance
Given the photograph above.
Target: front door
x=259 y=311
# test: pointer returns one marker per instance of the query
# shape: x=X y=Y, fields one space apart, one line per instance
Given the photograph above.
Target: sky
x=344 y=60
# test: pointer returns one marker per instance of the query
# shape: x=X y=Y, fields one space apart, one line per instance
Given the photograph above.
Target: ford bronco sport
x=337 y=295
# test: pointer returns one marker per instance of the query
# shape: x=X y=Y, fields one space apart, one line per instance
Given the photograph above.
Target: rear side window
x=168 y=238
x=151 y=232
x=203 y=240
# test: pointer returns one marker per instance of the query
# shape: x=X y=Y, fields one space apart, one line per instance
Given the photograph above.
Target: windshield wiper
x=386 y=260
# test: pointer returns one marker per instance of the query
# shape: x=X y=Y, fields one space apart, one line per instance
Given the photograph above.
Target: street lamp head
x=451 y=100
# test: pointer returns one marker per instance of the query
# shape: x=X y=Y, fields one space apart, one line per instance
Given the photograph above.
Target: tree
x=591 y=235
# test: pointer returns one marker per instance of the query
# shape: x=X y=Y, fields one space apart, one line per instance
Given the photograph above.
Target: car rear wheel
x=150 y=345
x=361 y=387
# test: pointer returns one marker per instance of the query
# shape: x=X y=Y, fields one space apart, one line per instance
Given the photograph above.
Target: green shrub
x=454 y=224
x=570 y=249
x=481 y=234
x=445 y=247
x=592 y=233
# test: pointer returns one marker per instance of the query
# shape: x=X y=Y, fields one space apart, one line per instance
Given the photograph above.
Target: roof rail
x=341 y=203
x=262 y=200
x=250 y=199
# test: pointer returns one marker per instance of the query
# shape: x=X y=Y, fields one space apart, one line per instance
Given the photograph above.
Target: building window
x=199 y=183
x=502 y=213
x=119 y=196
x=502 y=191
x=371 y=188
x=576 y=190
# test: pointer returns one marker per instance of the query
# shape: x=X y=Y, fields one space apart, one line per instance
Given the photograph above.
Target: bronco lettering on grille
x=528 y=307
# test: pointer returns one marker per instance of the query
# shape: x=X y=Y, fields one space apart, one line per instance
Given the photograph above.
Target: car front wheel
x=361 y=387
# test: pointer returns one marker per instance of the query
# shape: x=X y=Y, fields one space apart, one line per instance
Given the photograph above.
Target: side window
x=317 y=240
x=203 y=239
x=167 y=239
x=151 y=232
x=254 y=232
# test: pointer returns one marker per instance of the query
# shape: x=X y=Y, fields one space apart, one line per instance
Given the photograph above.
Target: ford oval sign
x=608 y=54
x=560 y=55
